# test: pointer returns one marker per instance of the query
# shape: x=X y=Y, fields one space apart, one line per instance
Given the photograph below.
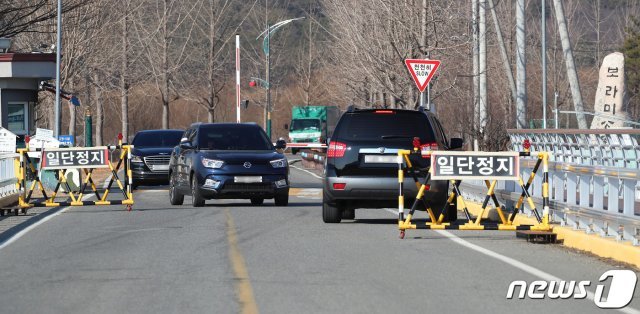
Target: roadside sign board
x=38 y=143
x=75 y=158
x=422 y=70
x=456 y=165
x=43 y=139
x=66 y=140
x=7 y=141
x=43 y=133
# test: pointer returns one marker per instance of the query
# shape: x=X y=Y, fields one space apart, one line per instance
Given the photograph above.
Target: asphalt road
x=231 y=257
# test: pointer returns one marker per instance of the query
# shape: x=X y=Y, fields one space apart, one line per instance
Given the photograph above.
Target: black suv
x=228 y=161
x=361 y=168
x=150 y=155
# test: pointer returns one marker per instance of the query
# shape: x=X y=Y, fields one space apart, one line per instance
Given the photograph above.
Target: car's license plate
x=160 y=167
x=248 y=179
x=380 y=159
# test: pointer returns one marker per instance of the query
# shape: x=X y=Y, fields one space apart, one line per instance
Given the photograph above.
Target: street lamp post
x=266 y=45
x=57 y=121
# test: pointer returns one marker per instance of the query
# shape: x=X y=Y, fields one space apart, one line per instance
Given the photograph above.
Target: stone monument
x=610 y=105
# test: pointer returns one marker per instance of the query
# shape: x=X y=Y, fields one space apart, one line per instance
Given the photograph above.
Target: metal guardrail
x=593 y=177
x=7 y=174
x=609 y=147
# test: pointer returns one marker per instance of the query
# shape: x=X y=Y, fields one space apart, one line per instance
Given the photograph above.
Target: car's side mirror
x=281 y=144
x=186 y=145
x=286 y=126
x=456 y=143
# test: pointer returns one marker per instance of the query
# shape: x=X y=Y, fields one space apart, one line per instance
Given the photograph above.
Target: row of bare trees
x=138 y=64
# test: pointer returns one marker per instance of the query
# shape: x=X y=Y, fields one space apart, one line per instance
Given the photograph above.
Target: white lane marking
x=106 y=181
x=513 y=262
x=307 y=171
x=24 y=231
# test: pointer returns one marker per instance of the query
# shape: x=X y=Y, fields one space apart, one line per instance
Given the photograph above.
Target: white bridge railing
x=593 y=179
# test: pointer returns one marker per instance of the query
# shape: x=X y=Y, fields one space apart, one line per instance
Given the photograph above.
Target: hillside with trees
x=140 y=64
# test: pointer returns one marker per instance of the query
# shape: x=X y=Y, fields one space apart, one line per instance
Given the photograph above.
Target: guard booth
x=20 y=77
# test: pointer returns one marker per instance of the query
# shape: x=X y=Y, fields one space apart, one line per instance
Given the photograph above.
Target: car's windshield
x=157 y=139
x=233 y=137
x=305 y=124
x=385 y=126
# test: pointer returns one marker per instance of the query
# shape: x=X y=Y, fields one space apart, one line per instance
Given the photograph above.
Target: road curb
x=578 y=239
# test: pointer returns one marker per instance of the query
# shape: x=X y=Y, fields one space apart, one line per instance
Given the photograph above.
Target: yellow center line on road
x=244 y=291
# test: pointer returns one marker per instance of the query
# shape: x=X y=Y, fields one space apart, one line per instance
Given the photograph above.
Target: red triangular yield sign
x=422 y=71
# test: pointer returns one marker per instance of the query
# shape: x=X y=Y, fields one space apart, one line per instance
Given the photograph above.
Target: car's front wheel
x=196 y=198
x=175 y=197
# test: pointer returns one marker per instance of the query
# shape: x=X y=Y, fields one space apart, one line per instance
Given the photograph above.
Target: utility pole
x=483 y=66
x=476 y=76
x=543 y=32
x=423 y=48
x=572 y=75
x=237 y=78
x=58 y=123
x=521 y=67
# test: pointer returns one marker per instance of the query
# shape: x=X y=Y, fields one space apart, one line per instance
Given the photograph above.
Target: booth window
x=17 y=118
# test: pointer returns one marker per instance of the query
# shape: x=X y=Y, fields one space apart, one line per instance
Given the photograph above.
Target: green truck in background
x=312 y=124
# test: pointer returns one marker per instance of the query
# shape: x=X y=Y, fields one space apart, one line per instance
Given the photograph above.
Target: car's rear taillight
x=336 y=149
x=427 y=148
x=384 y=111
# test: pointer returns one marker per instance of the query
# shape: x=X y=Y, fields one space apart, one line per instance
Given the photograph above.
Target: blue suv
x=228 y=161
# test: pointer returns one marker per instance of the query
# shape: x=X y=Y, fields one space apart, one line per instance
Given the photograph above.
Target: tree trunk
x=210 y=115
x=521 y=66
x=99 y=111
x=87 y=100
x=572 y=74
x=503 y=52
x=165 y=67
x=309 y=61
